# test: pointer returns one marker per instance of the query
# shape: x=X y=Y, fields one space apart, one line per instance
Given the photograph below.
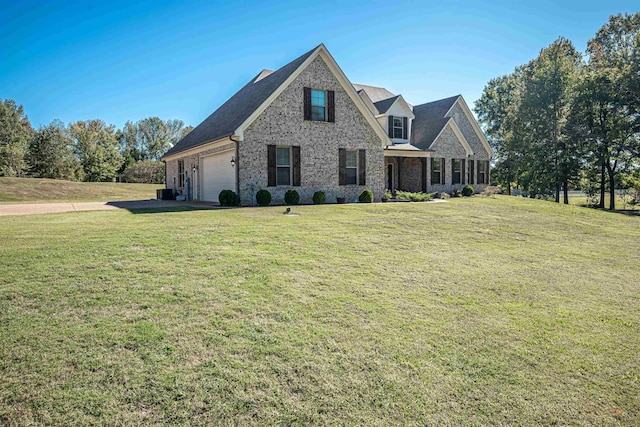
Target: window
x=436 y=171
x=483 y=171
x=283 y=165
x=181 y=173
x=352 y=167
x=318 y=105
x=397 y=128
x=457 y=171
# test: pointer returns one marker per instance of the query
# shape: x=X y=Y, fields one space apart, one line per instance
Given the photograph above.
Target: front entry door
x=390 y=178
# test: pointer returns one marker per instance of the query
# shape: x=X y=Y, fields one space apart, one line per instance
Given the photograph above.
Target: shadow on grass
x=629 y=212
x=161 y=206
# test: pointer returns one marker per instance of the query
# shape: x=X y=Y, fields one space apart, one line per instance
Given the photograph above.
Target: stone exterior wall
x=448 y=147
x=282 y=123
x=411 y=174
x=469 y=134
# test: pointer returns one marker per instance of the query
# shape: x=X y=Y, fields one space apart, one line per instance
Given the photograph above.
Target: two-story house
x=306 y=127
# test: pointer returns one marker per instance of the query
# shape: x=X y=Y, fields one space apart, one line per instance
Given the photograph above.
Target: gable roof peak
x=226 y=119
x=264 y=73
x=385 y=104
x=439 y=104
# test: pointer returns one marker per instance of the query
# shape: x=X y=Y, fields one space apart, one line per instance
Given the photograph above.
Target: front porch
x=421 y=171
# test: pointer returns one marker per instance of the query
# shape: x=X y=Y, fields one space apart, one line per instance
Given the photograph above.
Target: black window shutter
x=307 y=103
x=453 y=171
x=342 y=166
x=471 y=171
x=423 y=161
x=295 y=154
x=271 y=165
x=462 y=171
x=443 y=171
x=362 y=167
x=405 y=134
x=331 y=117
x=432 y=159
x=390 y=126
x=486 y=174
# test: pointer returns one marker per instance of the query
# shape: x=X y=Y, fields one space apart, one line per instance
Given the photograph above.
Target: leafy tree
x=145 y=171
x=51 y=153
x=498 y=111
x=149 y=138
x=157 y=136
x=15 y=133
x=129 y=143
x=185 y=131
x=608 y=105
x=96 y=147
x=549 y=82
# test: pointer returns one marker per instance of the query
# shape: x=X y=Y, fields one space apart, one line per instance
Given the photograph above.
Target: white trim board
x=198 y=148
x=405 y=106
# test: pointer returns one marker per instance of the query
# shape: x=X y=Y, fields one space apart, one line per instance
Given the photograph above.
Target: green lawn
x=32 y=190
x=474 y=312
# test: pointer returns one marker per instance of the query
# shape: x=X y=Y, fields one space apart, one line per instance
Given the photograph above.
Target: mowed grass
x=33 y=190
x=478 y=311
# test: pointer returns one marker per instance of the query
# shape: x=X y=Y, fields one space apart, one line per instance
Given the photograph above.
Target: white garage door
x=217 y=174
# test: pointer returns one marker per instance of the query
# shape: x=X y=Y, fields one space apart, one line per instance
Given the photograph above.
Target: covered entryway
x=217 y=173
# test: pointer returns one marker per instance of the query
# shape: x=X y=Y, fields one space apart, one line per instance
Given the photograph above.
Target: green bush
x=228 y=198
x=263 y=197
x=413 y=197
x=319 y=197
x=366 y=196
x=291 y=197
x=468 y=191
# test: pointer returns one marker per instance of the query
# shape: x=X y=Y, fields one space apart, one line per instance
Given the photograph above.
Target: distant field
x=31 y=190
x=480 y=311
x=582 y=201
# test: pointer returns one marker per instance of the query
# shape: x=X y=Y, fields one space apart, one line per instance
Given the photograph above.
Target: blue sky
x=126 y=60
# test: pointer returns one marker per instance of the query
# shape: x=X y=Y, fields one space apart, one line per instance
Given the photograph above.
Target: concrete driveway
x=41 y=208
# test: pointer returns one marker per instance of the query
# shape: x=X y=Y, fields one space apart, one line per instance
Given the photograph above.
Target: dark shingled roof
x=384 y=105
x=429 y=121
x=226 y=119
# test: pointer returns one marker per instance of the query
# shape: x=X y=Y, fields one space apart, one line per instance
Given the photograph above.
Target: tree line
x=567 y=119
x=86 y=150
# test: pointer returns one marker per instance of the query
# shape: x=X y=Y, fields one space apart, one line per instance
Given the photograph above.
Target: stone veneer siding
x=412 y=175
x=282 y=123
x=469 y=133
x=448 y=147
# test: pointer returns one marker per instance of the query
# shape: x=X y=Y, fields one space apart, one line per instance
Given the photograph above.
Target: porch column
x=400 y=161
x=423 y=161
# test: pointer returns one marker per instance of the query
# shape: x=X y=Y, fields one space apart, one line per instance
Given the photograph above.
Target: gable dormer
x=395 y=116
